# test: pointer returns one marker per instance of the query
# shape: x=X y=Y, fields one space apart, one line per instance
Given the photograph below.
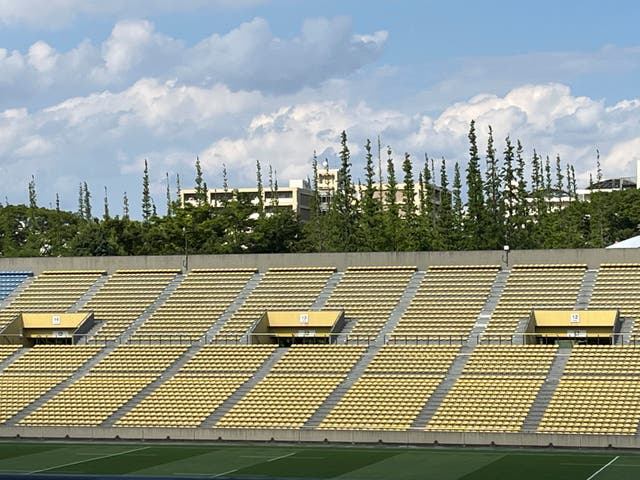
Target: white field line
x=281 y=456
x=89 y=460
x=602 y=468
x=225 y=473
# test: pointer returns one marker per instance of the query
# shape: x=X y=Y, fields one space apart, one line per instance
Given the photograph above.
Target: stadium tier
x=125 y=296
x=294 y=389
x=199 y=387
x=36 y=372
x=599 y=392
x=368 y=295
x=279 y=289
x=393 y=389
x=51 y=291
x=617 y=286
x=535 y=286
x=150 y=360
x=496 y=389
x=447 y=302
x=201 y=298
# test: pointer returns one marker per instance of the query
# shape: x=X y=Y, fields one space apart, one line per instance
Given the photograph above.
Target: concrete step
x=441 y=391
x=146 y=391
x=236 y=396
x=489 y=306
x=233 y=307
x=79 y=373
x=82 y=301
x=352 y=377
x=327 y=290
x=541 y=402
x=586 y=289
x=160 y=299
x=405 y=300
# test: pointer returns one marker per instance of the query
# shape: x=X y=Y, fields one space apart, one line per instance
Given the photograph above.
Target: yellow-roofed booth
x=287 y=327
x=579 y=326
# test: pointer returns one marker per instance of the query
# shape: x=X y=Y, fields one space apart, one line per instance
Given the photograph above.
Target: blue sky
x=89 y=89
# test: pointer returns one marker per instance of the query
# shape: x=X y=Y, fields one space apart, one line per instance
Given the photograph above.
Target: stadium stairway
x=82 y=301
x=166 y=293
x=77 y=375
x=625 y=331
x=16 y=291
x=166 y=375
x=401 y=307
x=236 y=396
x=434 y=401
x=233 y=306
x=541 y=402
x=487 y=310
x=325 y=293
x=352 y=377
x=586 y=289
x=13 y=357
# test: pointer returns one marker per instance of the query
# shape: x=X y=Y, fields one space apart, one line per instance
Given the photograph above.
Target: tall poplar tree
x=260 y=187
x=522 y=239
x=509 y=194
x=474 y=226
x=392 y=211
x=370 y=217
x=33 y=197
x=146 y=197
x=410 y=237
x=445 y=213
x=106 y=215
x=201 y=188
x=458 y=211
x=87 y=202
x=494 y=232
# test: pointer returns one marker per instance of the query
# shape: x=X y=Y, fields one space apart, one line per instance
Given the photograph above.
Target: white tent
x=633 y=242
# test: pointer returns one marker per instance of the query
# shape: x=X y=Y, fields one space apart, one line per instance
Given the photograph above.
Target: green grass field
x=64 y=459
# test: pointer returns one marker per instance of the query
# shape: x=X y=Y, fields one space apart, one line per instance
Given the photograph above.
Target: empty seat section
x=295 y=387
x=279 y=289
x=9 y=280
x=7 y=350
x=116 y=379
x=54 y=291
x=393 y=389
x=599 y=392
x=447 y=302
x=200 y=386
x=195 y=305
x=36 y=372
x=496 y=389
x=369 y=294
x=535 y=286
x=125 y=296
x=616 y=287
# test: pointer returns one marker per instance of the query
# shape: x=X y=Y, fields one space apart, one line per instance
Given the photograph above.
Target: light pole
x=506 y=254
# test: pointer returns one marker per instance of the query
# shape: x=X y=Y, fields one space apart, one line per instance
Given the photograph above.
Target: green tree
x=371 y=208
x=87 y=202
x=522 y=233
x=391 y=217
x=81 y=212
x=509 y=195
x=494 y=232
x=106 y=215
x=410 y=234
x=444 y=225
x=125 y=206
x=146 y=197
x=260 y=187
x=474 y=225
x=456 y=235
x=33 y=197
x=201 y=186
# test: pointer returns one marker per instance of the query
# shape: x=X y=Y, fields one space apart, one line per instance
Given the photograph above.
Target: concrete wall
x=591 y=257
x=412 y=437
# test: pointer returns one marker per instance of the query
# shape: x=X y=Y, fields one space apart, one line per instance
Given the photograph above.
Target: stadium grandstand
x=538 y=348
